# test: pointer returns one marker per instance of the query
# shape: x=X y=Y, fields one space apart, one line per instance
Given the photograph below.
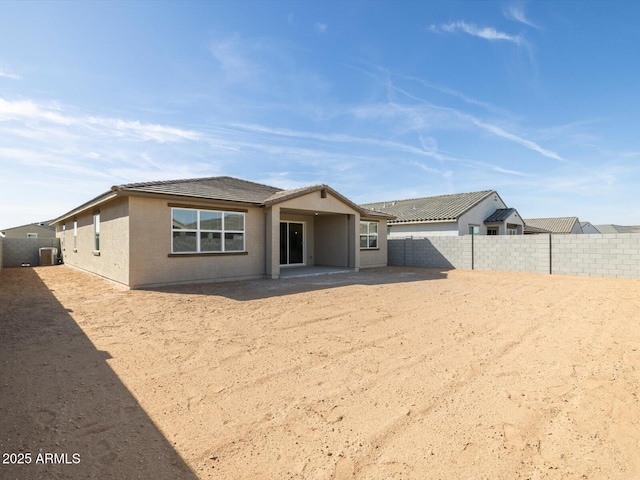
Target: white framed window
x=75 y=234
x=492 y=230
x=64 y=235
x=474 y=230
x=206 y=231
x=96 y=232
x=368 y=235
x=512 y=231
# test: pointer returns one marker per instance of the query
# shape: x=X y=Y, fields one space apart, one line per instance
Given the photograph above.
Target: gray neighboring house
x=478 y=213
x=588 y=228
x=553 y=225
x=217 y=229
x=31 y=230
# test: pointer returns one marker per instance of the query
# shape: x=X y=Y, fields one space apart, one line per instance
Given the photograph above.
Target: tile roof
x=218 y=188
x=553 y=225
x=213 y=188
x=609 y=228
x=530 y=229
x=438 y=208
x=500 y=215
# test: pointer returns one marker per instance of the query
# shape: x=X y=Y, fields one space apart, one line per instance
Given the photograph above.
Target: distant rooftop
x=437 y=208
x=553 y=225
x=610 y=228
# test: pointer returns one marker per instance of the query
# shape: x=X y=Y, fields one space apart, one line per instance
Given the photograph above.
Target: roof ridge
x=432 y=196
x=188 y=180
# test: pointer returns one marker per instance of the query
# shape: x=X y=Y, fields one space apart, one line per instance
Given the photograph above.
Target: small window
x=64 y=235
x=32 y=235
x=368 y=235
x=474 y=230
x=96 y=232
x=512 y=231
x=75 y=234
x=492 y=231
x=206 y=231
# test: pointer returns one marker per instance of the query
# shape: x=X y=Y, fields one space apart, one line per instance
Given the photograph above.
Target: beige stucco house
x=32 y=230
x=477 y=213
x=216 y=229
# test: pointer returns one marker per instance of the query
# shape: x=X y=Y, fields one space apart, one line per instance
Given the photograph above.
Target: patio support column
x=353 y=234
x=272 y=248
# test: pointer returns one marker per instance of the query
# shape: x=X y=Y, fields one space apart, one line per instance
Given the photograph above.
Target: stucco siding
x=478 y=214
x=332 y=240
x=150 y=249
x=423 y=230
x=112 y=261
x=378 y=257
x=23 y=231
x=314 y=202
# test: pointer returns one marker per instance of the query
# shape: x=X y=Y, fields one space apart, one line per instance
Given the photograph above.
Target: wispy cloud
x=53 y=114
x=427 y=115
x=321 y=27
x=7 y=74
x=486 y=33
x=233 y=59
x=515 y=12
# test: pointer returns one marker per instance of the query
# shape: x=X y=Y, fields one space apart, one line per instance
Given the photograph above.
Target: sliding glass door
x=291 y=243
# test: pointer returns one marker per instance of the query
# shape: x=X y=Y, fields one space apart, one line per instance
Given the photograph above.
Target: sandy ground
x=391 y=373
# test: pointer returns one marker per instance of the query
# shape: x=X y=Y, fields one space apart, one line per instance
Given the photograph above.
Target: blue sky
x=381 y=100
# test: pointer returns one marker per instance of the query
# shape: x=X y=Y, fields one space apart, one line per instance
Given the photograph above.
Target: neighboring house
x=553 y=225
x=609 y=228
x=218 y=228
x=588 y=228
x=32 y=230
x=478 y=213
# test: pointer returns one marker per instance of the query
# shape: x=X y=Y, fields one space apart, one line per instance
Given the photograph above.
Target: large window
x=206 y=231
x=368 y=234
x=474 y=230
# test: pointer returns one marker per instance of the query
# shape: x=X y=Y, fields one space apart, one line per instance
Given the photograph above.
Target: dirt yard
x=391 y=373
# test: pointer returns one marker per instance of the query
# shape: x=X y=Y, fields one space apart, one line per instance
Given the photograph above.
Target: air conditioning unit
x=48 y=256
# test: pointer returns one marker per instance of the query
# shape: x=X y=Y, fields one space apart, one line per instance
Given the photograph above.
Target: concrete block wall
x=431 y=252
x=608 y=255
x=17 y=251
x=514 y=253
x=595 y=255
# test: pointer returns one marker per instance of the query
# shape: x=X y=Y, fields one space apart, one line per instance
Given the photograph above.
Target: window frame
x=222 y=231
x=490 y=231
x=75 y=234
x=473 y=228
x=96 y=232
x=369 y=236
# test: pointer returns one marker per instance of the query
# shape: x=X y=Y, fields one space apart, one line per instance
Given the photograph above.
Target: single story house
x=218 y=228
x=473 y=213
x=31 y=230
x=553 y=225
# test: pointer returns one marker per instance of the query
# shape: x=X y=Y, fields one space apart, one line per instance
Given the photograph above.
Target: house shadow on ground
x=58 y=396
x=248 y=290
